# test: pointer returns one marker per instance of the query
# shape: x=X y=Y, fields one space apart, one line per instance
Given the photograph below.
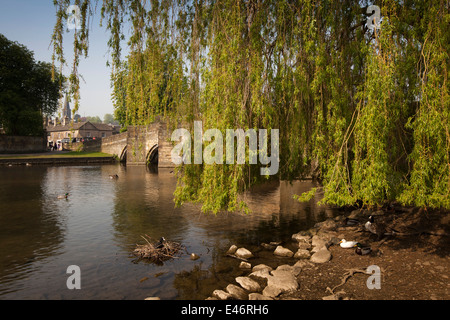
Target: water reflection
x=143 y=204
x=30 y=231
x=99 y=225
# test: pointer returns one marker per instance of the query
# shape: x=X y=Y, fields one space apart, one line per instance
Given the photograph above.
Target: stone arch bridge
x=141 y=145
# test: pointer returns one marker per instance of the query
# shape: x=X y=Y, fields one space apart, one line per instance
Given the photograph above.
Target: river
x=99 y=225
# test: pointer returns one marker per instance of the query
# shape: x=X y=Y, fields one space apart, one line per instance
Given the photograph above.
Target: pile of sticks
x=158 y=251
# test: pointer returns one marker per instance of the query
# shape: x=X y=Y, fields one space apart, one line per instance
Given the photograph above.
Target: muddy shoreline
x=413 y=264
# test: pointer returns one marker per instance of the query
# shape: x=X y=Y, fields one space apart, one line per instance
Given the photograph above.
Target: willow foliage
x=366 y=112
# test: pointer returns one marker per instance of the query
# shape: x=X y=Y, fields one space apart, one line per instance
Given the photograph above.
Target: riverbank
x=56 y=158
x=414 y=264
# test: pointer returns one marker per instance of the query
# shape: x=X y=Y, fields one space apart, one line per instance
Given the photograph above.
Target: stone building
x=76 y=130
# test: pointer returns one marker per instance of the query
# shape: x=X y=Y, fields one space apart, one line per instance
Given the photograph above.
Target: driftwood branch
x=347 y=275
x=236 y=257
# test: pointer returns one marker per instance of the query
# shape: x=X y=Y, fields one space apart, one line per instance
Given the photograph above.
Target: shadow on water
x=98 y=227
x=31 y=229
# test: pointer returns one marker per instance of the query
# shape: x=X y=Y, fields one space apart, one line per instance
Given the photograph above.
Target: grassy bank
x=70 y=154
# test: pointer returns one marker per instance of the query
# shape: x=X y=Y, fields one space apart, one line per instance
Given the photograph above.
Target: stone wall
x=22 y=144
x=137 y=145
x=141 y=140
x=115 y=144
x=165 y=146
x=91 y=146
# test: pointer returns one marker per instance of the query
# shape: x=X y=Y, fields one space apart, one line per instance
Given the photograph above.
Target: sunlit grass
x=70 y=154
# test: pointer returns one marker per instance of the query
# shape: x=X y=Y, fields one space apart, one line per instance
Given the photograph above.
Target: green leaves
x=364 y=112
x=429 y=183
x=27 y=92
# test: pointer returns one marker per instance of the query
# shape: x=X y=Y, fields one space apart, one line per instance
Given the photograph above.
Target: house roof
x=78 y=126
x=103 y=126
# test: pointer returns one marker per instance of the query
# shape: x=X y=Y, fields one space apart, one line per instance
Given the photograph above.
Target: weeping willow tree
x=429 y=180
x=364 y=111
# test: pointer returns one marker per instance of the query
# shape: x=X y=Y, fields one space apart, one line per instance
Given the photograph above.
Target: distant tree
x=77 y=118
x=108 y=118
x=27 y=91
x=94 y=119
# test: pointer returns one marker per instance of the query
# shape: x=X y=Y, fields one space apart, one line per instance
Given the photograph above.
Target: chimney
x=66 y=120
x=56 y=121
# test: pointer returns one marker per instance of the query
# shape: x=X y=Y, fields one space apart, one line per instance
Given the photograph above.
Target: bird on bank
x=63 y=196
x=347 y=244
x=362 y=250
x=160 y=243
x=113 y=176
x=379 y=228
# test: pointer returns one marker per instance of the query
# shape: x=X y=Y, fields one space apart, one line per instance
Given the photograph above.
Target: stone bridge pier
x=141 y=145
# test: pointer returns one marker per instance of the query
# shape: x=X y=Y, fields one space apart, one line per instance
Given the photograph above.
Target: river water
x=99 y=225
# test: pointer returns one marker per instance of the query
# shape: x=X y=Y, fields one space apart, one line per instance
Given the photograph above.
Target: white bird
x=347 y=244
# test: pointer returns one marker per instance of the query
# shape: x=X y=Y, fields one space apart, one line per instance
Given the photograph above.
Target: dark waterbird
x=379 y=228
x=362 y=250
x=351 y=222
x=160 y=243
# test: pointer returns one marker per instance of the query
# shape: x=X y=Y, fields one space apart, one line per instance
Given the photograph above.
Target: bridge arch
x=152 y=155
x=123 y=154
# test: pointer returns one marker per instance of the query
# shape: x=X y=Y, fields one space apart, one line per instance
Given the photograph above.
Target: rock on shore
x=321 y=256
x=313 y=252
x=249 y=284
x=243 y=253
x=265 y=283
x=283 y=252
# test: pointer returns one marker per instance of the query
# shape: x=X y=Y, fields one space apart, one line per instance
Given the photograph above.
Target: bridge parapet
x=115 y=144
x=141 y=144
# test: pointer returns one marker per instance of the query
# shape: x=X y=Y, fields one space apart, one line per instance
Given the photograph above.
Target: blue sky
x=31 y=22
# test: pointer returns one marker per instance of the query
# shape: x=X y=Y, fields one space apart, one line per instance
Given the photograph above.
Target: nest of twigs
x=157 y=251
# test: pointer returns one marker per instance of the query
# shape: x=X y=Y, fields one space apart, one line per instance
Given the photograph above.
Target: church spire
x=66 y=111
